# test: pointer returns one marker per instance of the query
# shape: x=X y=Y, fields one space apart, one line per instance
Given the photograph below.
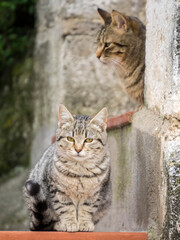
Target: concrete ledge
x=13 y=235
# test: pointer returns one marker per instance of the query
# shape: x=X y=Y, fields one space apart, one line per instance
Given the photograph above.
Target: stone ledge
x=14 y=235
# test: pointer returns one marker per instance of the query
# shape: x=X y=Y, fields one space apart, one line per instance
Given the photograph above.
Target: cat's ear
x=105 y=16
x=64 y=115
x=100 y=119
x=119 y=20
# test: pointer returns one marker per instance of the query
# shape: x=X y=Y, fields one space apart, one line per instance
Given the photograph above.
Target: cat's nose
x=98 y=53
x=78 y=150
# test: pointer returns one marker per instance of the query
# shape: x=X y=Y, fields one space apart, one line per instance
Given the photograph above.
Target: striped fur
x=121 y=42
x=70 y=189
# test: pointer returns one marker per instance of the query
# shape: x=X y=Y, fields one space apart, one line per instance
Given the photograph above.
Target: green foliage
x=16 y=85
x=16 y=27
x=16 y=116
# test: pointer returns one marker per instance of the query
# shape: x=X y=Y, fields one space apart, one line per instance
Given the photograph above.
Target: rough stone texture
x=66 y=68
x=163 y=41
x=171 y=154
x=163 y=97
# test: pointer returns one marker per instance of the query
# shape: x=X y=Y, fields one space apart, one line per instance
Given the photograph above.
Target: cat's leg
x=91 y=211
x=65 y=211
x=95 y=208
x=41 y=215
x=103 y=202
x=85 y=214
x=67 y=220
x=101 y=211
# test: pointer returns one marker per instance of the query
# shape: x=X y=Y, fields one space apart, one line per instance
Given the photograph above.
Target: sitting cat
x=70 y=189
x=121 y=42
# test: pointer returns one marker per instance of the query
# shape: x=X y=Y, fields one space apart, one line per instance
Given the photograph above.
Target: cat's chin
x=103 y=62
x=75 y=156
x=80 y=158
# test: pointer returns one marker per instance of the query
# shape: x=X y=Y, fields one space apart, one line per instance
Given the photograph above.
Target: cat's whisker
x=117 y=64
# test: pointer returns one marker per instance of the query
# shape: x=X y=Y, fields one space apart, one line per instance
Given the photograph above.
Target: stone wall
x=162 y=78
x=163 y=97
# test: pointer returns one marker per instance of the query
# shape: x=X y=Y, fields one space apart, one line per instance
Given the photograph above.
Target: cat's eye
x=89 y=140
x=107 y=44
x=70 y=139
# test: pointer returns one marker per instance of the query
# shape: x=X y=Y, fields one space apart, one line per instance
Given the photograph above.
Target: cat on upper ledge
x=121 y=42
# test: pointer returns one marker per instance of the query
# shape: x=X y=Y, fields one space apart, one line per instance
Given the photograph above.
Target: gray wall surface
x=138 y=177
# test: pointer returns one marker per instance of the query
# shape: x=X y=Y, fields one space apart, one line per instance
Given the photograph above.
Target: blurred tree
x=17 y=21
x=16 y=26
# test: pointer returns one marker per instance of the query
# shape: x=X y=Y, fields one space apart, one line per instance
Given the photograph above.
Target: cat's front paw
x=66 y=227
x=86 y=227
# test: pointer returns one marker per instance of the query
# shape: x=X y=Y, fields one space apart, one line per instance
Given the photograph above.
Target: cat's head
x=80 y=137
x=119 y=37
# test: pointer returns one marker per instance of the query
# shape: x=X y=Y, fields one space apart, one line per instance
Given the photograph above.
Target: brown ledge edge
x=119 y=121
x=114 y=122
x=18 y=235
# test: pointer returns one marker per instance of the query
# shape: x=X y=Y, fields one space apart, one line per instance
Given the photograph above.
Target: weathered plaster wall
x=139 y=181
x=147 y=130
x=162 y=57
x=163 y=97
x=156 y=156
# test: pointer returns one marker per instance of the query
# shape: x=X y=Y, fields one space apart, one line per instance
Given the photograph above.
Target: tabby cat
x=121 y=42
x=70 y=189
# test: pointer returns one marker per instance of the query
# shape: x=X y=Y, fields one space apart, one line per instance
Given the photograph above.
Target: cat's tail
x=40 y=213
